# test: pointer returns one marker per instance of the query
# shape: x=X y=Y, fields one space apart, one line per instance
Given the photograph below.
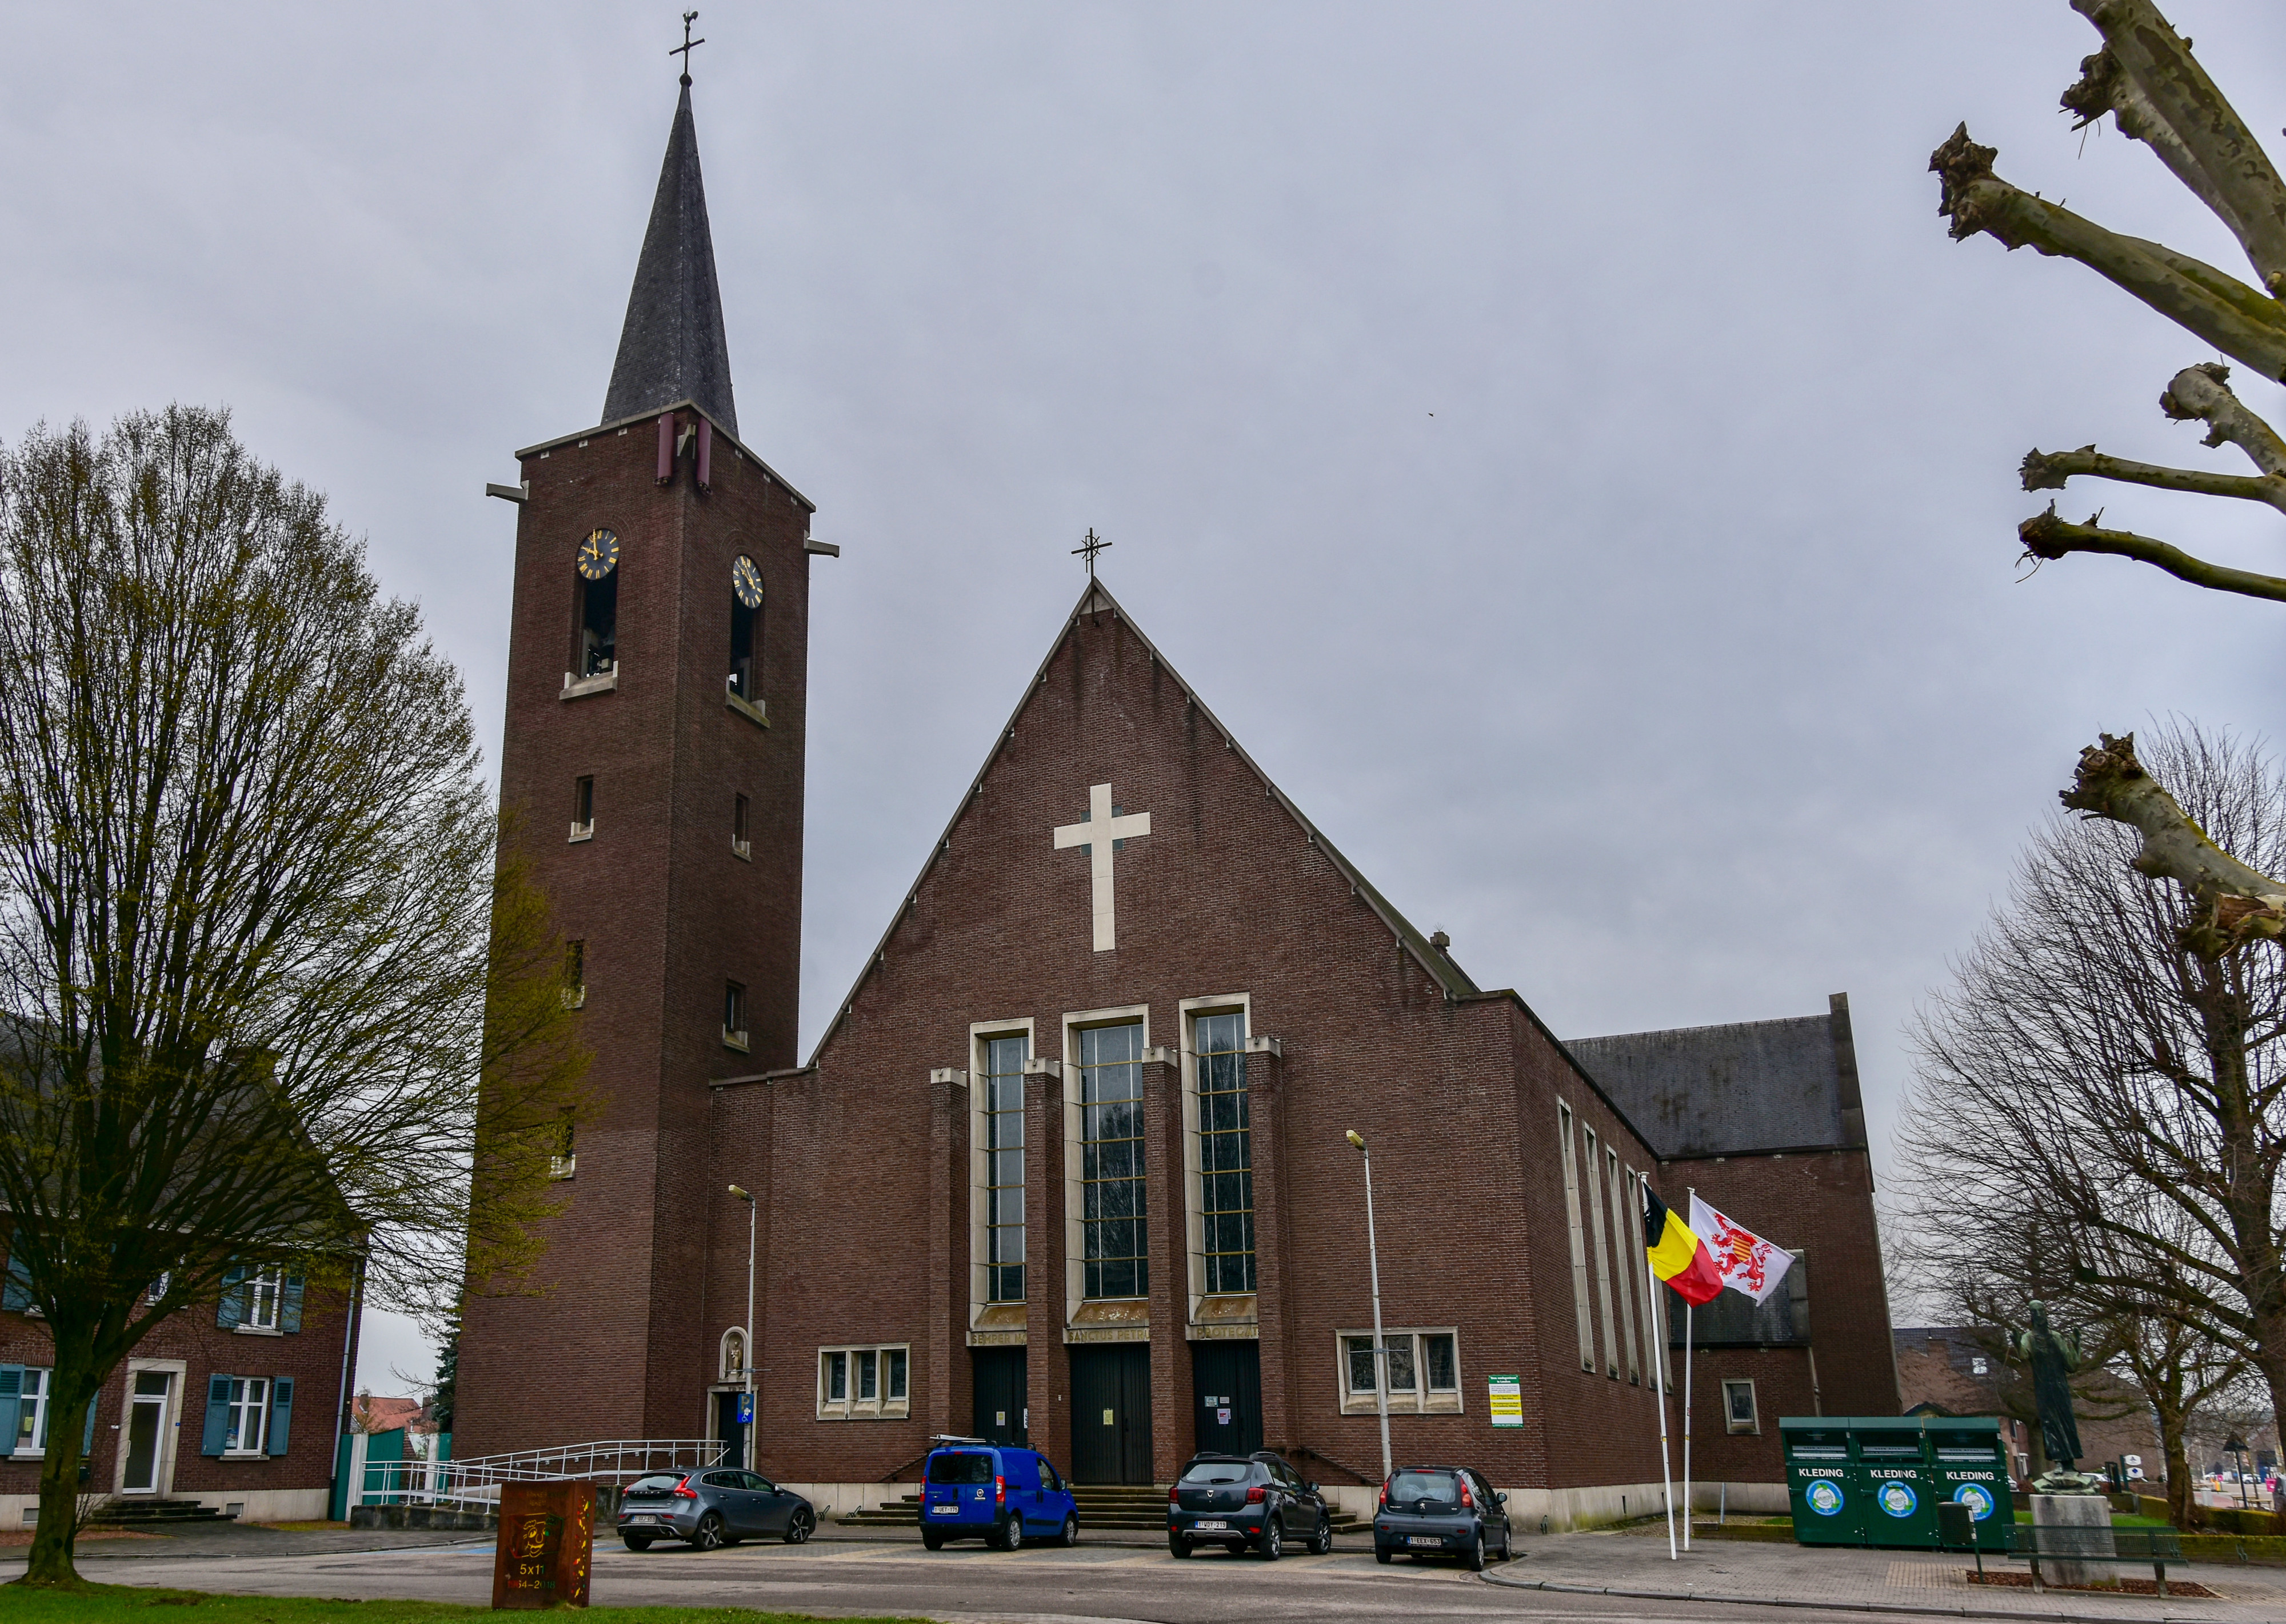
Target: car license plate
x=1216 y=1526
x=944 y=1510
x=642 y=1519
x=1424 y=1539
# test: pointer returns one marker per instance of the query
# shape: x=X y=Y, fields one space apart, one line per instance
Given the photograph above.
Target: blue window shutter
x=290 y=1305
x=87 y=1437
x=281 y=1411
x=217 y=1416
x=16 y=1296
x=12 y=1398
x=232 y=1307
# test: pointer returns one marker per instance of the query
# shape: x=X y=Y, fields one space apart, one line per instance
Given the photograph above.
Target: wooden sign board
x=547 y=1545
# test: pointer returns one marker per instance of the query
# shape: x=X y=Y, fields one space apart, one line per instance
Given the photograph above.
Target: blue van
x=973 y=1488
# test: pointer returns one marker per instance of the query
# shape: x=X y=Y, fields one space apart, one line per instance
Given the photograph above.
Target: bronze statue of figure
x=2052 y=1358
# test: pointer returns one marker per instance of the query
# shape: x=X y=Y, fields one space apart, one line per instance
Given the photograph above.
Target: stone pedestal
x=2089 y=1518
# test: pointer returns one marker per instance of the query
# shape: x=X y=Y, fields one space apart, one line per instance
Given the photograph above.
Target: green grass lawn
x=134 y=1605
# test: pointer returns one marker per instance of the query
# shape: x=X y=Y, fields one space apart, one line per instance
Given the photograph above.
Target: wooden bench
x=2156 y=1546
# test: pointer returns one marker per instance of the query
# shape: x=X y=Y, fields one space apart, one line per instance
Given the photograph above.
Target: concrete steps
x=158 y=1513
x=1133 y=1506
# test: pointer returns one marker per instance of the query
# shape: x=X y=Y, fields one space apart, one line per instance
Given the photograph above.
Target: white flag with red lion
x=1745 y=1261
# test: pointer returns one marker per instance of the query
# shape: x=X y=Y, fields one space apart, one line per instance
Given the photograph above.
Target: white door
x=146 y=1432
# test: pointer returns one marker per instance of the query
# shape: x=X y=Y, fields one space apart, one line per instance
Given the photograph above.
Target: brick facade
x=192 y=1349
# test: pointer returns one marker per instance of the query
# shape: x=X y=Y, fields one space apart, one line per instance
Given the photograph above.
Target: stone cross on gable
x=1096 y=837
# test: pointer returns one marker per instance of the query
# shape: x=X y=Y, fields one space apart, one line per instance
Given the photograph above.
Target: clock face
x=599 y=554
x=747 y=582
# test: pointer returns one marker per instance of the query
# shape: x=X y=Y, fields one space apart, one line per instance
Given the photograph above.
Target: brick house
x=235 y=1404
x=1069 y=1161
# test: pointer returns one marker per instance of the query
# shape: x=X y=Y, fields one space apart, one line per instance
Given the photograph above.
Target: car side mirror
x=1502 y=1496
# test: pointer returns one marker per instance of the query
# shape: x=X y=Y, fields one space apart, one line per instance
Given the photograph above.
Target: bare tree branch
x=2239 y=320
x=2044 y=535
x=2046 y=470
x=2146 y=75
x=2202 y=393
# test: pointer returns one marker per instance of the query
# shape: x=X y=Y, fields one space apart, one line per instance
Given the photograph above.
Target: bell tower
x=652 y=762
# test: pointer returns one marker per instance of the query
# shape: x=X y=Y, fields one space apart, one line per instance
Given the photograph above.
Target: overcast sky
x=1559 y=439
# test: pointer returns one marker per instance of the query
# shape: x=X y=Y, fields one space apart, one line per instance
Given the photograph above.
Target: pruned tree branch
x=2147 y=78
x=2239 y=320
x=2046 y=470
x=2044 y=535
x=2203 y=394
x=2239 y=904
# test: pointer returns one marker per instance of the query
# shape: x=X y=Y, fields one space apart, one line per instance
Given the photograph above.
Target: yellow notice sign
x=1506 y=1397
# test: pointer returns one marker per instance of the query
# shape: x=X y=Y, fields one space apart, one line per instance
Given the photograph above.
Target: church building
x=1071 y=1163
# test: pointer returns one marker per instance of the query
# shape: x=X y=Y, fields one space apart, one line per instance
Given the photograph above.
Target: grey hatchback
x=710 y=1509
x=1442 y=1510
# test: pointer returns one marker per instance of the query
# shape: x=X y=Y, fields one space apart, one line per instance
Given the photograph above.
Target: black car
x=1442 y=1511
x=709 y=1508
x=1236 y=1501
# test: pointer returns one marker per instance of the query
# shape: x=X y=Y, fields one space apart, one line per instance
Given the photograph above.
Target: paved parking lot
x=960 y=1585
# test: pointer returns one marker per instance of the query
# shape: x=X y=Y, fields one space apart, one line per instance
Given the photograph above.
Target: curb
x=1906 y=1609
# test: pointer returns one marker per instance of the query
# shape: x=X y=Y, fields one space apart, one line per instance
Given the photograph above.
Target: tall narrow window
x=740 y=841
x=1592 y=1187
x=1225 y=1152
x=247 y=1415
x=1580 y=1309
x=733 y=1014
x=1004 y=1168
x=746 y=624
x=262 y=1294
x=598 y=651
x=565 y=1161
x=31 y=1414
x=575 y=974
x=583 y=808
x=1619 y=1188
x=1111 y=1161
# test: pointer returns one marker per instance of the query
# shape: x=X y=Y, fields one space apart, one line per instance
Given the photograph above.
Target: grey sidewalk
x=1889 y=1581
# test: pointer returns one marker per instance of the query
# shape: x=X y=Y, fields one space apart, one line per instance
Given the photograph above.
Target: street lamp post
x=1380 y=1349
x=746 y=1333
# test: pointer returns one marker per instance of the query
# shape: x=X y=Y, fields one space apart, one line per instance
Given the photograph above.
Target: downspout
x=342 y=1398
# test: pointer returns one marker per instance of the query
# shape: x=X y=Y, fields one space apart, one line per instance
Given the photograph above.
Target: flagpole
x=1689 y=1309
x=1658 y=1388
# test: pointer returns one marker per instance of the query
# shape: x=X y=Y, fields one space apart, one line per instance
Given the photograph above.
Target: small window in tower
x=575 y=974
x=583 y=808
x=745 y=627
x=598 y=651
x=734 y=1015
x=739 y=841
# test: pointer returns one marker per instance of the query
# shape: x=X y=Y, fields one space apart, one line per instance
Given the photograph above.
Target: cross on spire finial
x=1089 y=548
x=688 y=45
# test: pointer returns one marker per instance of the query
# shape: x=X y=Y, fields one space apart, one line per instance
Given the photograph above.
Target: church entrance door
x=1111 y=1413
x=1226 y=1396
x=729 y=1429
x=1000 y=1394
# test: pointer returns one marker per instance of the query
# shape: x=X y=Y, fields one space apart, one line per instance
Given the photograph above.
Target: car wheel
x=636 y=1541
x=1323 y=1541
x=931 y=1540
x=1012 y=1532
x=1508 y=1545
x=1475 y=1555
x=1070 y=1536
x=1384 y=1555
x=708 y=1534
x=1178 y=1546
x=800 y=1525
x=1274 y=1539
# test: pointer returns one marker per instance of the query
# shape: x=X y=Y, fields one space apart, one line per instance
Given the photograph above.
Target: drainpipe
x=341 y=1400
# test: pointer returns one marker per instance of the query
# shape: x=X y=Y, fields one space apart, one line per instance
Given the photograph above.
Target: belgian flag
x=1677 y=1255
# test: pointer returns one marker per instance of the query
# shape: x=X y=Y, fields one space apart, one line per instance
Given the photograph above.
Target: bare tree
x=255 y=955
x=2145 y=77
x=2090 y=1068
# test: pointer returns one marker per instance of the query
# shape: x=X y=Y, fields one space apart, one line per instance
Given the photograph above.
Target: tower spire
x=673 y=346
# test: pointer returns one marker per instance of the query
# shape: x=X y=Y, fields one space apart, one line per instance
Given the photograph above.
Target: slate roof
x=1717 y=1090
x=673 y=349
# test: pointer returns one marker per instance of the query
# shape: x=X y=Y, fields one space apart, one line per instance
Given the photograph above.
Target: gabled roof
x=673 y=347
x=1097 y=599
x=1754 y=1086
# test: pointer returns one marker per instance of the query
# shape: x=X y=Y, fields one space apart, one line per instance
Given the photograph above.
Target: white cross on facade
x=1097 y=834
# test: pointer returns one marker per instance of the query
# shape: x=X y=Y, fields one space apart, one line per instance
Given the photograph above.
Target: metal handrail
x=477 y=1480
